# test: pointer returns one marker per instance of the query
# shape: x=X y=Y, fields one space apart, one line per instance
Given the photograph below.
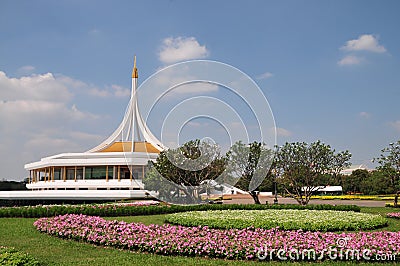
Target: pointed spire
x=134 y=71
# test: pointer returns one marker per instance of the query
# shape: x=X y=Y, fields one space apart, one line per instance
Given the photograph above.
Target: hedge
x=121 y=210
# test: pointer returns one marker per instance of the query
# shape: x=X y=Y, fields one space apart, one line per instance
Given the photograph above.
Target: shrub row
x=307 y=220
x=121 y=210
x=391 y=204
x=10 y=256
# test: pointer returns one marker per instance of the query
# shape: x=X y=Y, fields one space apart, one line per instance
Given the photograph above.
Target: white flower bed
x=309 y=220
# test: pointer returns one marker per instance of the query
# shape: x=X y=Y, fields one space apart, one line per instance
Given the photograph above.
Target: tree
x=389 y=163
x=249 y=165
x=180 y=175
x=356 y=182
x=301 y=167
x=367 y=183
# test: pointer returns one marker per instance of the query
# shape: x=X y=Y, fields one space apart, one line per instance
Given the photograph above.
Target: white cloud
x=266 y=75
x=350 y=60
x=38 y=117
x=194 y=124
x=169 y=79
x=94 y=32
x=180 y=49
x=119 y=91
x=86 y=136
x=35 y=87
x=283 y=132
x=99 y=93
x=395 y=125
x=113 y=90
x=198 y=87
x=24 y=70
x=364 y=115
x=366 y=42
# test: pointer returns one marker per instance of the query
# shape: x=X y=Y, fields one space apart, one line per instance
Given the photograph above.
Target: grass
x=149 y=219
x=20 y=233
x=393 y=225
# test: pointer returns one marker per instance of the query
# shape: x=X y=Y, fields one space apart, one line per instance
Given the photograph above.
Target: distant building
x=350 y=170
x=325 y=190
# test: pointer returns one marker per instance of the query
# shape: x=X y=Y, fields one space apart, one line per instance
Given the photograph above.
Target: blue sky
x=329 y=69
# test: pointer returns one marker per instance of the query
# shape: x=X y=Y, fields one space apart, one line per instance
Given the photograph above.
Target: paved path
x=244 y=199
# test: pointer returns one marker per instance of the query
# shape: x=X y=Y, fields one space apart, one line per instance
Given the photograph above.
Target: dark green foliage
x=198 y=162
x=12 y=185
x=353 y=183
x=48 y=211
x=389 y=164
x=249 y=165
x=368 y=183
x=12 y=257
x=302 y=166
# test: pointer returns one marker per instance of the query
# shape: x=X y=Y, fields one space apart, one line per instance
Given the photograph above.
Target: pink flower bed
x=247 y=243
x=393 y=215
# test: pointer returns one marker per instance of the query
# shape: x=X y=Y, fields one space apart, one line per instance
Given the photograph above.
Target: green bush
x=12 y=257
x=308 y=220
x=121 y=210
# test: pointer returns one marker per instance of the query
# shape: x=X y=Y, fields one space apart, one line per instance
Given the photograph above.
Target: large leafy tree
x=355 y=182
x=389 y=164
x=249 y=167
x=301 y=167
x=185 y=171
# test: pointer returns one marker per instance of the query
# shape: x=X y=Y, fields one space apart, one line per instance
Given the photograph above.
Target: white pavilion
x=112 y=170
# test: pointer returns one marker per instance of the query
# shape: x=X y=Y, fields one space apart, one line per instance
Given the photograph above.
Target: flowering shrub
x=203 y=241
x=310 y=220
x=10 y=256
x=393 y=215
x=130 y=209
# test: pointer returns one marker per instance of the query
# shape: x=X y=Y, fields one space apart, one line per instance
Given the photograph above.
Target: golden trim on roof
x=125 y=146
x=134 y=70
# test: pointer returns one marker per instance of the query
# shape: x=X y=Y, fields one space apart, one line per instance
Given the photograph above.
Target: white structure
x=325 y=189
x=118 y=163
x=349 y=171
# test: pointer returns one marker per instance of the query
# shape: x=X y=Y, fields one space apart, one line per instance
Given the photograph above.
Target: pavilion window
x=41 y=175
x=96 y=172
x=137 y=172
x=71 y=173
x=79 y=173
x=57 y=173
x=125 y=172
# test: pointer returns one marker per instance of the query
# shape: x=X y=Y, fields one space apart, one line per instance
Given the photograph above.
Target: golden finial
x=134 y=71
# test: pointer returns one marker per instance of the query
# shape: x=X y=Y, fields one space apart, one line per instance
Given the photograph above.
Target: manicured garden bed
x=246 y=244
x=50 y=250
x=395 y=215
x=308 y=220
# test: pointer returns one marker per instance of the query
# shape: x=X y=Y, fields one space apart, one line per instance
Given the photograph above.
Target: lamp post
x=275 y=188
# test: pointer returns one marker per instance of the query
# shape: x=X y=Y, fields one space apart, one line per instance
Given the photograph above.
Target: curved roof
x=125 y=146
x=131 y=129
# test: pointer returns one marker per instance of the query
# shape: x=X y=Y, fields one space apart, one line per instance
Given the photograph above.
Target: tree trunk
x=254 y=195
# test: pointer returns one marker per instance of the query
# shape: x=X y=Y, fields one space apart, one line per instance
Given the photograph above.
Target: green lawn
x=20 y=233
